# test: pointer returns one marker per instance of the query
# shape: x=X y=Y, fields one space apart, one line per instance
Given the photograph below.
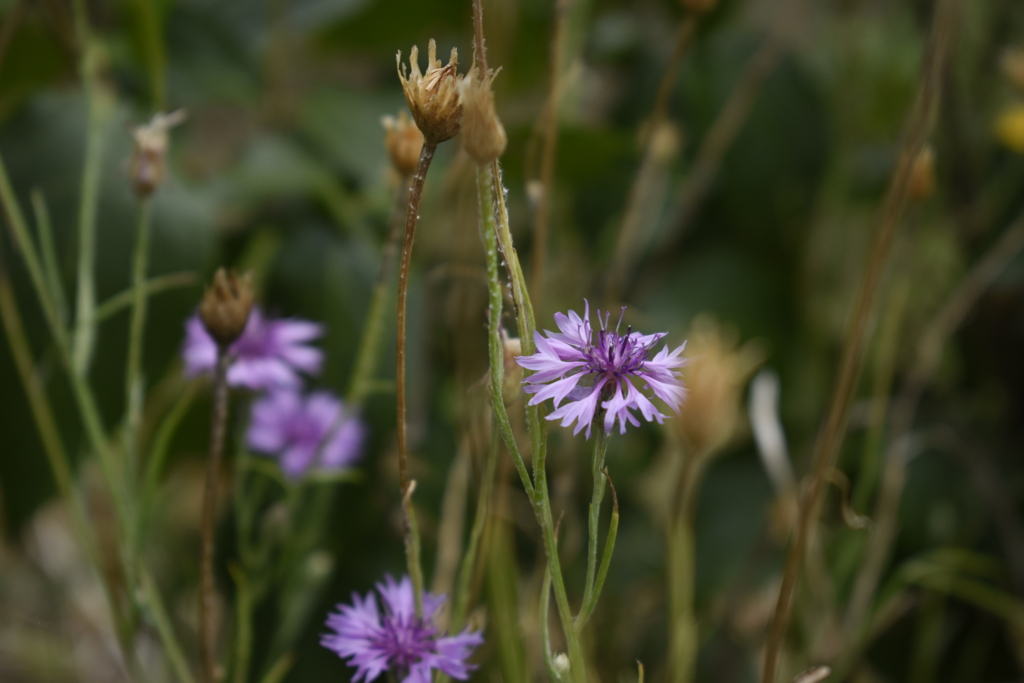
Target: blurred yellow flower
x=1010 y=128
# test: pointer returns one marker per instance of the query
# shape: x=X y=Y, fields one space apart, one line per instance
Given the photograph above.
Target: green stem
x=594 y=519
x=466 y=571
x=368 y=356
x=158 y=615
x=134 y=382
x=542 y=617
x=606 y=560
x=48 y=250
x=100 y=105
x=156 y=285
x=538 y=488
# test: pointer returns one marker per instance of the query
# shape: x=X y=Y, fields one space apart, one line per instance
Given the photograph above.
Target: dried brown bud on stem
x=149 y=158
x=403 y=141
x=483 y=136
x=225 y=306
x=433 y=97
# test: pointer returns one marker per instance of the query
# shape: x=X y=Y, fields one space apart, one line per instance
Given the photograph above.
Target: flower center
x=405 y=641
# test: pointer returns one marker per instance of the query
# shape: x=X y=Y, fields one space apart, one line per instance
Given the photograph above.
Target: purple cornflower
x=303 y=432
x=589 y=374
x=270 y=353
x=397 y=639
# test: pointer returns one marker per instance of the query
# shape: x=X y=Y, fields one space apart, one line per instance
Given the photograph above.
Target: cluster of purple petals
x=585 y=373
x=374 y=640
x=270 y=353
x=302 y=432
x=305 y=433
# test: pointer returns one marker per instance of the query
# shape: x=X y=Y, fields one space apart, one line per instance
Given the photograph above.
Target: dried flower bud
x=149 y=159
x=715 y=376
x=922 y=175
x=225 y=306
x=483 y=136
x=404 y=141
x=699 y=6
x=433 y=97
x=1012 y=64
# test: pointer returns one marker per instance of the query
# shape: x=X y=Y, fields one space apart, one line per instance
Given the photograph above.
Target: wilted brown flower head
x=433 y=97
x=699 y=6
x=149 y=158
x=403 y=141
x=922 y=175
x=716 y=375
x=483 y=136
x=225 y=306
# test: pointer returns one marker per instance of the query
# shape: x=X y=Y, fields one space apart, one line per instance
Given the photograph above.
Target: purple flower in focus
x=588 y=373
x=270 y=353
x=293 y=428
x=397 y=639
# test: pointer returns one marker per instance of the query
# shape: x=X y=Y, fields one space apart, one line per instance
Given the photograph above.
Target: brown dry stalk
x=208 y=590
x=549 y=124
x=918 y=125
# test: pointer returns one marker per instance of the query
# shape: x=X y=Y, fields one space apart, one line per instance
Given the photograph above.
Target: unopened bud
x=699 y=6
x=560 y=664
x=483 y=136
x=149 y=158
x=433 y=97
x=404 y=141
x=225 y=307
x=922 y=175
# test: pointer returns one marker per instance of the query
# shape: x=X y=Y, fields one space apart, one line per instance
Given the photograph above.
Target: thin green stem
x=161 y=447
x=158 y=616
x=594 y=517
x=368 y=356
x=156 y=285
x=469 y=560
x=412 y=547
x=100 y=105
x=538 y=488
x=590 y=602
x=48 y=250
x=243 y=625
x=542 y=617
x=134 y=382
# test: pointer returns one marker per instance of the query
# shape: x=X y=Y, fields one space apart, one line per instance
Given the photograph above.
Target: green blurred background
x=281 y=169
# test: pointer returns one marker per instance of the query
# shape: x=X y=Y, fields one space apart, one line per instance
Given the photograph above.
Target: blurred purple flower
x=293 y=428
x=397 y=639
x=270 y=353
x=588 y=374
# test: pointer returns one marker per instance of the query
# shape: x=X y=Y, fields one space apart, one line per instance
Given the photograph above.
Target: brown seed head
x=699 y=6
x=404 y=141
x=433 y=97
x=483 y=136
x=922 y=175
x=715 y=376
x=225 y=306
x=149 y=158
